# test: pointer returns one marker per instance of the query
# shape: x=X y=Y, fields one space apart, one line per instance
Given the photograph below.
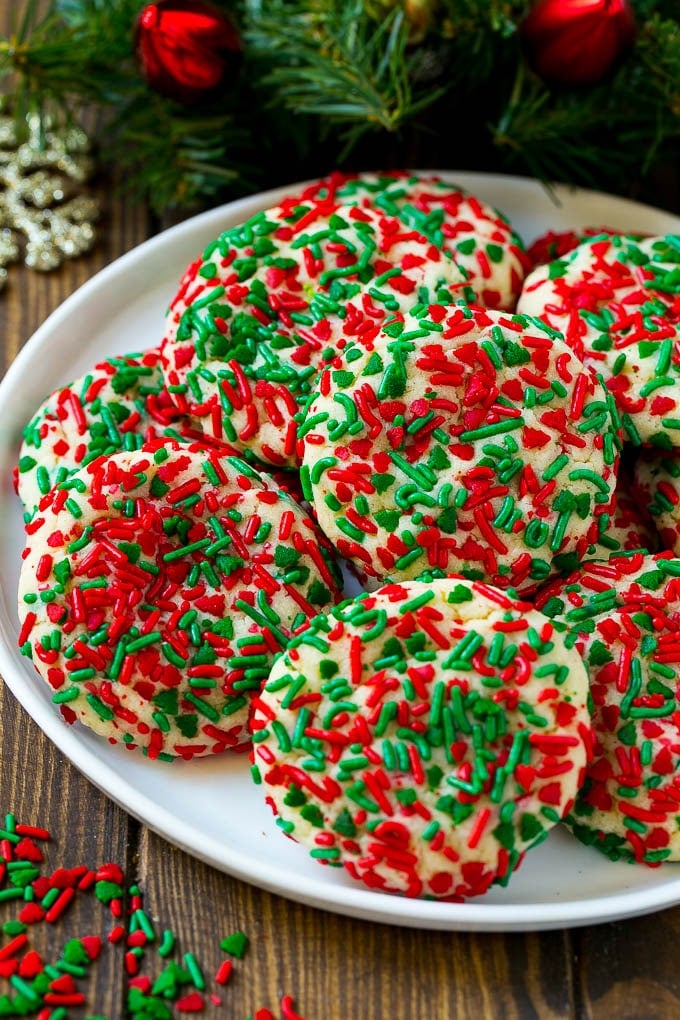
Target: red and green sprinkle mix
x=255 y=316
x=623 y=617
x=161 y=982
x=157 y=587
x=478 y=237
x=656 y=486
x=118 y=405
x=423 y=737
x=460 y=440
x=616 y=300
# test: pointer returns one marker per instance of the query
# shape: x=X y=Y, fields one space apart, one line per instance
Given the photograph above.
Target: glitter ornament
x=37 y=194
x=576 y=42
x=185 y=48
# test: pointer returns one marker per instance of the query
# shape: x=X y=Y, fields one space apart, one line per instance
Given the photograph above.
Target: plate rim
x=359 y=902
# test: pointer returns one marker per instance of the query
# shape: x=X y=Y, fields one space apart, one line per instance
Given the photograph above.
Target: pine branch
x=176 y=160
x=81 y=52
x=656 y=87
x=549 y=135
x=606 y=135
x=324 y=82
x=481 y=36
x=59 y=58
x=337 y=64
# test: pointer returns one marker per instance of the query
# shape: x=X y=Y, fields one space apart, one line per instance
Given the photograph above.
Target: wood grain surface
x=335 y=968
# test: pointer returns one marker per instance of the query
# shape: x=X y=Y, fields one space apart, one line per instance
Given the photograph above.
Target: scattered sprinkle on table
x=33 y=986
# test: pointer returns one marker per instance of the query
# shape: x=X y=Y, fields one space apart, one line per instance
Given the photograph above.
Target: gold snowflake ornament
x=38 y=200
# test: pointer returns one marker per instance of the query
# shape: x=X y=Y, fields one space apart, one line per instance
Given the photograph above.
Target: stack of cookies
x=377 y=387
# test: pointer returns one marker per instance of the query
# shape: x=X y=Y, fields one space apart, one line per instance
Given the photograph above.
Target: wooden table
x=335 y=968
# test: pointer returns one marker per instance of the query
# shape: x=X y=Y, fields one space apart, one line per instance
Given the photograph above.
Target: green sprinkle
x=235 y=944
x=509 y=425
x=555 y=467
x=195 y=971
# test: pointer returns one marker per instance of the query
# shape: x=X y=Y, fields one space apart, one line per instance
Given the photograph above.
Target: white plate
x=210 y=808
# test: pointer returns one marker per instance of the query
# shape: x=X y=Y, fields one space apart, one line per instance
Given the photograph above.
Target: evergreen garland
x=355 y=84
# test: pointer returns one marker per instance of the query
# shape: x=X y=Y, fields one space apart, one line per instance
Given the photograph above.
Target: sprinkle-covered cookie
x=464 y=440
x=257 y=314
x=424 y=736
x=656 y=486
x=156 y=589
x=616 y=299
x=118 y=405
x=553 y=244
x=481 y=239
x=623 y=617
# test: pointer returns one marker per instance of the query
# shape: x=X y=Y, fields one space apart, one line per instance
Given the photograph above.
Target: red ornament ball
x=186 y=49
x=576 y=42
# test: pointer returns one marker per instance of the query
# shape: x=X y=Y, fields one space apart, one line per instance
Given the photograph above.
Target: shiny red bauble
x=186 y=49
x=577 y=42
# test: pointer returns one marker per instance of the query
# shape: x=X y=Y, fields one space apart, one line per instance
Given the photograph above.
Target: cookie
x=479 y=237
x=258 y=313
x=118 y=405
x=623 y=617
x=423 y=737
x=553 y=244
x=465 y=440
x=656 y=486
x=615 y=299
x=156 y=589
